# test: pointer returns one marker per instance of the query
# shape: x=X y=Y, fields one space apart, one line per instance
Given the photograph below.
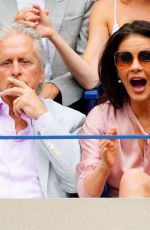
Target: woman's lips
x=138 y=84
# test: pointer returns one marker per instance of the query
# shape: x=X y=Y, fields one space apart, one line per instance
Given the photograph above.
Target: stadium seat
x=92 y=96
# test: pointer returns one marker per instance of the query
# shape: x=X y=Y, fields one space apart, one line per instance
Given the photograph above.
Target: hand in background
x=49 y=90
x=29 y=16
x=38 y=19
x=44 y=27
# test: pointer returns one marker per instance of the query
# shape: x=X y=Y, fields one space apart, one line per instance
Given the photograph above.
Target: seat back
x=91 y=97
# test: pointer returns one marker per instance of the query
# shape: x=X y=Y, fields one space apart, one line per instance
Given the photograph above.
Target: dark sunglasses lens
x=123 y=59
x=144 y=56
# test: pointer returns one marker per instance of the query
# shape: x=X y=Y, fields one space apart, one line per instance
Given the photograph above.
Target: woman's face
x=133 y=65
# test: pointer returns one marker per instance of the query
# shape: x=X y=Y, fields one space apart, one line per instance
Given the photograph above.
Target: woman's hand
x=108 y=150
x=44 y=27
x=38 y=19
x=29 y=16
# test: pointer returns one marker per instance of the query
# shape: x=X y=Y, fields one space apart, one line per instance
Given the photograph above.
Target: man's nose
x=15 y=70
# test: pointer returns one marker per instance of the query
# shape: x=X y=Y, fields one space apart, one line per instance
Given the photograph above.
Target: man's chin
x=10 y=97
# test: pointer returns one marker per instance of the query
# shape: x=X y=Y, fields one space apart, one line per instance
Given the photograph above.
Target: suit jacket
x=71 y=20
x=57 y=159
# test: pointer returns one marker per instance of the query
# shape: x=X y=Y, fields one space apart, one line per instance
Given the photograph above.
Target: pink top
x=99 y=121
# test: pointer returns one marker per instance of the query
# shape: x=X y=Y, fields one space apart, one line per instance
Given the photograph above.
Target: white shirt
x=18 y=171
x=27 y=4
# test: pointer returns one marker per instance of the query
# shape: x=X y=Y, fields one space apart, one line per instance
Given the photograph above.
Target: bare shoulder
x=104 y=6
x=103 y=9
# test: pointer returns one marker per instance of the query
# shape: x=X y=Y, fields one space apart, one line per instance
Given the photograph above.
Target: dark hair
x=114 y=92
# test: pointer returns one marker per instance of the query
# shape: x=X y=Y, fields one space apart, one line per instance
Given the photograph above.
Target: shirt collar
x=1 y=103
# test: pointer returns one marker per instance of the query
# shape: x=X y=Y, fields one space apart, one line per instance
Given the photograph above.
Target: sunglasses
x=124 y=59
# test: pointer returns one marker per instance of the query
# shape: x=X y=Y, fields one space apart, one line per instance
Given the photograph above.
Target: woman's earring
x=119 y=81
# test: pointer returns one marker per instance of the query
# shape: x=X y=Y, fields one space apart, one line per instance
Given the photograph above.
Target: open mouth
x=138 y=84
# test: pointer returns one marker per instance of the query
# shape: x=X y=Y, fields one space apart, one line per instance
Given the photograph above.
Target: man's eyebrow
x=25 y=55
x=10 y=57
x=5 y=59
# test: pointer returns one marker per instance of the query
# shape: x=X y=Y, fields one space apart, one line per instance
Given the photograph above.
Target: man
x=71 y=21
x=32 y=168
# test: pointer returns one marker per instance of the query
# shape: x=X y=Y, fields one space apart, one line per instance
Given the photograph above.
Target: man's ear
x=42 y=76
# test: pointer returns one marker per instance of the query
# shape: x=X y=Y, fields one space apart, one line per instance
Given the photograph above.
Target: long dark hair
x=113 y=91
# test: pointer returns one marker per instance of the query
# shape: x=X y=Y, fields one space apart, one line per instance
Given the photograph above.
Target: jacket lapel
x=42 y=163
x=43 y=169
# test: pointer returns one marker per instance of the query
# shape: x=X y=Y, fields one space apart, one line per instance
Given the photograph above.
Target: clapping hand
x=108 y=150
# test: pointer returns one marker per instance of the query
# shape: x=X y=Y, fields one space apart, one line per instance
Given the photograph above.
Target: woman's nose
x=135 y=66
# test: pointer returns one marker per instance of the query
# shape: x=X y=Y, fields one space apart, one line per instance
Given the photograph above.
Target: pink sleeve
x=94 y=125
x=81 y=191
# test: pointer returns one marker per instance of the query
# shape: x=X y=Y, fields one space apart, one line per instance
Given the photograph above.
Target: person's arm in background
x=83 y=73
x=94 y=34
x=71 y=89
x=98 y=33
x=85 y=69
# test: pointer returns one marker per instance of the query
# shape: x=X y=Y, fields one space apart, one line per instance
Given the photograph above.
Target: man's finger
x=17 y=109
x=15 y=91
x=18 y=83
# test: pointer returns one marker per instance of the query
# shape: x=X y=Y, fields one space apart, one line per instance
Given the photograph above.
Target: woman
x=106 y=17
x=125 y=110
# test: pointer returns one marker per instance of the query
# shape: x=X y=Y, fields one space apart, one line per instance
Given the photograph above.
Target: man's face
x=18 y=60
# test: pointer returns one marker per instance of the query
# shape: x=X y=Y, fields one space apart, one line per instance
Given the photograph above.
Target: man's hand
x=108 y=150
x=49 y=90
x=27 y=100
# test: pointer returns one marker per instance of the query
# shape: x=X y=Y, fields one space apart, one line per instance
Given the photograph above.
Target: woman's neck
x=141 y=110
x=139 y=2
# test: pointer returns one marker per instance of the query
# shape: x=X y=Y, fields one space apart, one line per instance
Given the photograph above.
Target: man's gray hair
x=23 y=28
